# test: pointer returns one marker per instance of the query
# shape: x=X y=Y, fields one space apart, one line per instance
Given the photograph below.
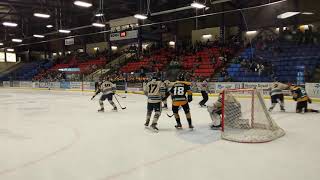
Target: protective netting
x=246 y=119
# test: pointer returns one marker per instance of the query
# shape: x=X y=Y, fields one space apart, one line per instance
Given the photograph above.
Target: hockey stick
x=170 y=116
x=119 y=103
x=121 y=96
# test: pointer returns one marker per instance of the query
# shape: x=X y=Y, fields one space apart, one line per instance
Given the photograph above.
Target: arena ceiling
x=71 y=16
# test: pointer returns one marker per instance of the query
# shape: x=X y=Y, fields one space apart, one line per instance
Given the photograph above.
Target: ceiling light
x=307 y=13
x=41 y=15
x=49 y=26
x=10 y=50
x=172 y=43
x=287 y=15
x=1 y=44
x=98 y=24
x=99 y=14
x=198 y=5
x=207 y=36
x=38 y=36
x=10 y=24
x=140 y=16
x=17 y=40
x=251 y=32
x=82 y=4
x=114 y=48
x=64 y=31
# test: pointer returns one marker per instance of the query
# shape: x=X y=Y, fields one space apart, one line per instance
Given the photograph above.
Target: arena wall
x=313 y=89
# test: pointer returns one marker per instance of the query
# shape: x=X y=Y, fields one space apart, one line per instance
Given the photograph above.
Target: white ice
x=47 y=135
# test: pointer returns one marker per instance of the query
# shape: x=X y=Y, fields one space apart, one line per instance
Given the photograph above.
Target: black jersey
x=299 y=94
x=179 y=91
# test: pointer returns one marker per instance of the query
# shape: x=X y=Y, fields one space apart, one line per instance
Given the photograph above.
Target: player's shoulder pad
x=184 y=82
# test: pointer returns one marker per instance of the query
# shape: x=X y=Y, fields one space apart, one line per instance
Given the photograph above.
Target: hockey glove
x=310 y=100
x=189 y=98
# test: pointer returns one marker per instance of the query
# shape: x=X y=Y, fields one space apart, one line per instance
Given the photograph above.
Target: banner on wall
x=69 y=41
x=35 y=85
x=75 y=85
x=44 y=85
x=26 y=84
x=118 y=36
x=87 y=86
x=313 y=89
x=16 y=84
x=65 y=85
x=6 y=83
x=257 y=85
x=54 y=85
x=221 y=86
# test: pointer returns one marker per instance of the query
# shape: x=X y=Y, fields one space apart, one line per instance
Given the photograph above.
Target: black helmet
x=181 y=77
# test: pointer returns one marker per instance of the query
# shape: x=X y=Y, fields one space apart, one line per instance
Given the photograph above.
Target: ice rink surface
x=47 y=135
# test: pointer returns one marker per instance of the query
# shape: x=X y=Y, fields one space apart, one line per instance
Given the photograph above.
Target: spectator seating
x=239 y=74
x=203 y=67
x=28 y=70
x=160 y=60
x=286 y=62
x=85 y=67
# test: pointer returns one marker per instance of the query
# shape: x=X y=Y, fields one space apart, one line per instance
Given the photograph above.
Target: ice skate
x=154 y=127
x=213 y=127
x=178 y=126
x=146 y=124
x=101 y=110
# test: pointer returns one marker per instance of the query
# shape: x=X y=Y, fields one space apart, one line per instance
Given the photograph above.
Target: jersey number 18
x=178 y=91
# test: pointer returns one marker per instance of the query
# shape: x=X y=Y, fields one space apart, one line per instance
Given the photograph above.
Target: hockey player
x=108 y=90
x=277 y=95
x=299 y=94
x=164 y=89
x=178 y=92
x=152 y=91
x=204 y=92
x=215 y=112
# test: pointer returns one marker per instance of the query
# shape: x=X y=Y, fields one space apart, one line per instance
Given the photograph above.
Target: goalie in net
x=245 y=118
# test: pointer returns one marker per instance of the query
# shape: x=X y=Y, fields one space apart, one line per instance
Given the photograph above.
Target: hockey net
x=246 y=119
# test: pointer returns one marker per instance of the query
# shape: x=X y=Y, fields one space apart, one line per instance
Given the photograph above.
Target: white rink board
x=50 y=135
x=313 y=89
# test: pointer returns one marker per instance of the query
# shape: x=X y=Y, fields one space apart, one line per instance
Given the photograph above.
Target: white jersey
x=152 y=91
x=277 y=88
x=165 y=87
x=107 y=87
x=204 y=86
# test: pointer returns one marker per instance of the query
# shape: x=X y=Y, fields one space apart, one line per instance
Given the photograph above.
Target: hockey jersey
x=299 y=94
x=107 y=87
x=164 y=88
x=204 y=86
x=179 y=91
x=277 y=88
x=152 y=91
